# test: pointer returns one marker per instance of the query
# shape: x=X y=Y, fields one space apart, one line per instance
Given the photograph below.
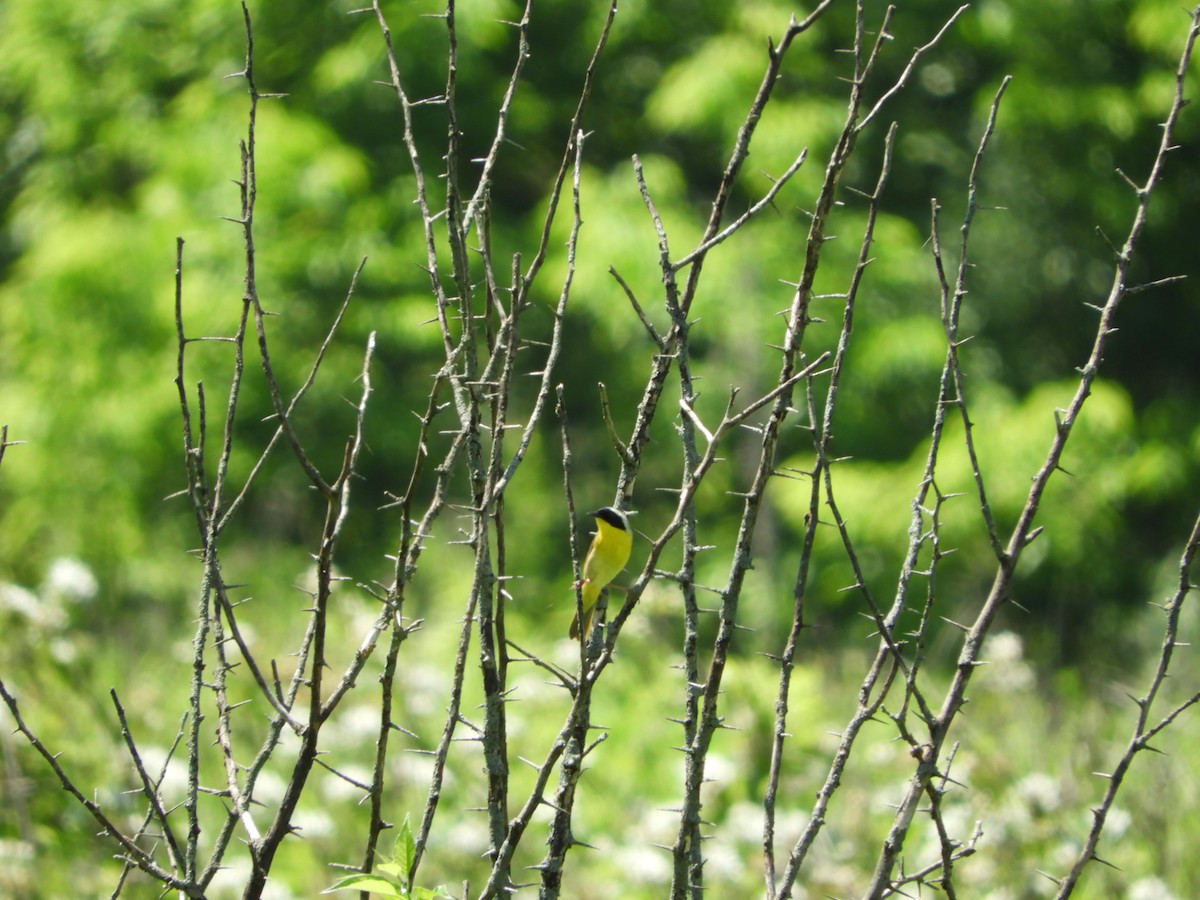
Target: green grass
x=1030 y=742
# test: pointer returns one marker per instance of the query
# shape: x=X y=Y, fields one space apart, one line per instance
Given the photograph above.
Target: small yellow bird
x=605 y=558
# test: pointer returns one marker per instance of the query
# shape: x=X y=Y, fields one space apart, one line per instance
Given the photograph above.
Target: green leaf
x=405 y=851
x=393 y=870
x=385 y=887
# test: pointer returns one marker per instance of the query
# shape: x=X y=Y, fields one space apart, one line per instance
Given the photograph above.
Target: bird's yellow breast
x=607 y=556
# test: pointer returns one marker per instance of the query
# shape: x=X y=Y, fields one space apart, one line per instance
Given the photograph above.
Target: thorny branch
x=1143 y=731
x=1024 y=531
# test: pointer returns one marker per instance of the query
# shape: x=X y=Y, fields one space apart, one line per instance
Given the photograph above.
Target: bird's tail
x=589 y=606
x=587 y=624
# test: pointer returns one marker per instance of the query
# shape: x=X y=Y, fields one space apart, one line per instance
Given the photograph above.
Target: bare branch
x=969 y=656
x=1143 y=732
x=132 y=851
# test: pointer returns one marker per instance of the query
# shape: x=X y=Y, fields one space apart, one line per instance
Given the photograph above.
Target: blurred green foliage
x=120 y=133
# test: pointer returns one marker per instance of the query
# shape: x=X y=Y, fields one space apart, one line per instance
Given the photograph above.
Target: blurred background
x=120 y=133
